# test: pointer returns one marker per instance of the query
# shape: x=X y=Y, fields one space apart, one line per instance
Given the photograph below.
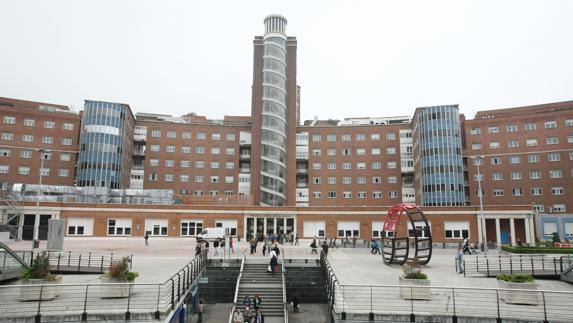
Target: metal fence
x=536 y=265
x=112 y=301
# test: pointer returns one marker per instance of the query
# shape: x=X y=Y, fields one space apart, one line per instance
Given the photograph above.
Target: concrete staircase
x=256 y=281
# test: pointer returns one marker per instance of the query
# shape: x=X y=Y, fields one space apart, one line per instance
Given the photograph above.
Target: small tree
x=120 y=270
x=40 y=268
x=556 y=237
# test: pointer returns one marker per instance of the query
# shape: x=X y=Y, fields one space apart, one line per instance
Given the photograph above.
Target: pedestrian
x=231 y=245
x=294 y=303
x=237 y=316
x=207 y=247
x=264 y=247
x=377 y=245
x=296 y=240
x=277 y=250
x=460 y=260
x=353 y=242
x=260 y=317
x=466 y=246
x=325 y=248
x=273 y=261
x=146 y=237
x=197 y=250
x=257 y=302
x=253 y=245
x=216 y=247
x=248 y=315
x=334 y=243
x=247 y=302
x=313 y=246
x=201 y=309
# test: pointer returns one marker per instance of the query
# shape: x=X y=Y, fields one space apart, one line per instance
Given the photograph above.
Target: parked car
x=212 y=234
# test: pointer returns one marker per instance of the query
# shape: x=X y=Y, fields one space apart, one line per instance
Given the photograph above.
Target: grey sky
x=355 y=58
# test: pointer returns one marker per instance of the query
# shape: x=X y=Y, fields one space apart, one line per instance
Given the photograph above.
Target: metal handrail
x=535 y=264
x=285 y=308
x=237 y=286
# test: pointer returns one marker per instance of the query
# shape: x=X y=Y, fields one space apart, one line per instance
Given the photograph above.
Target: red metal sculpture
x=396 y=250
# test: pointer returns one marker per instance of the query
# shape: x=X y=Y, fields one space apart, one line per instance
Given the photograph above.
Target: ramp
x=11 y=264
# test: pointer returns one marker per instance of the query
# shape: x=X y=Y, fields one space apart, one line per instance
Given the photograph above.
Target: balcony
x=245 y=155
x=302 y=171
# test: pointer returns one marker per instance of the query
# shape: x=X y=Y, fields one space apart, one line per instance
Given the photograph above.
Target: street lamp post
x=37 y=219
x=478 y=160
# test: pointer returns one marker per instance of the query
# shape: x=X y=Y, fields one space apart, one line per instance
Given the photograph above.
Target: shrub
x=416 y=276
x=555 y=237
x=120 y=270
x=412 y=270
x=40 y=268
x=516 y=278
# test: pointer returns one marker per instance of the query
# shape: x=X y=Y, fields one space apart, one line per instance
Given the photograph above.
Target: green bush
x=556 y=237
x=40 y=268
x=416 y=276
x=120 y=270
x=516 y=278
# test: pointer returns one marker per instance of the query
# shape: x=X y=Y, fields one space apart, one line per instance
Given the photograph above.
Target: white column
x=37 y=226
x=497 y=232
x=245 y=220
x=20 y=226
x=532 y=230
x=294 y=228
x=479 y=227
x=527 y=230
x=512 y=231
x=264 y=226
x=484 y=228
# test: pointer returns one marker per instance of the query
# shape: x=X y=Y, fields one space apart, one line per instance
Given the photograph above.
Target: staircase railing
x=13 y=211
x=285 y=304
x=237 y=287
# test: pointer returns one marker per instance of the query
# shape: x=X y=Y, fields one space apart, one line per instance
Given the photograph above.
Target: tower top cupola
x=275 y=24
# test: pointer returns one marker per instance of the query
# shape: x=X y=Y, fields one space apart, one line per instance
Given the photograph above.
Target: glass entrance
x=265 y=226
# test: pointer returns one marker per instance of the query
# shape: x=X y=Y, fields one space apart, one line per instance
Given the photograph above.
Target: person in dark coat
x=197 y=250
x=260 y=317
x=294 y=302
x=325 y=248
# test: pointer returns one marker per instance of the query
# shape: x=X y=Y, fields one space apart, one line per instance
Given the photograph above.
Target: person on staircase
x=237 y=316
x=273 y=261
x=260 y=317
x=313 y=246
x=257 y=302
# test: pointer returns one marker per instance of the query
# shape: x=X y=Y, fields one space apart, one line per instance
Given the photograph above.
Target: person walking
x=264 y=247
x=146 y=237
x=460 y=260
x=197 y=250
x=296 y=240
x=325 y=248
x=273 y=261
x=257 y=302
x=466 y=246
x=260 y=317
x=200 y=310
x=353 y=242
x=216 y=247
x=207 y=246
x=231 y=247
x=313 y=246
x=334 y=243
x=294 y=302
x=253 y=245
x=247 y=302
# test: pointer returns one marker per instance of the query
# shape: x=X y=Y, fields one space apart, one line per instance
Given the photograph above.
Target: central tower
x=274 y=109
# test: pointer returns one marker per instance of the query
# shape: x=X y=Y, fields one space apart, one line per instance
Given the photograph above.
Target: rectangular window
x=375 y=137
x=316 y=152
x=154 y=148
x=514 y=159
x=456 y=229
x=23 y=170
x=186 y=149
x=27 y=138
x=557 y=191
x=191 y=227
x=346 y=165
x=316 y=138
x=360 y=180
x=393 y=194
x=347 y=180
x=513 y=144
x=230 y=136
x=67 y=141
x=376 y=165
x=377 y=194
x=170 y=149
x=49 y=124
x=199 y=164
x=555 y=173
x=229 y=165
x=511 y=128
x=360 y=165
x=156 y=133
x=168 y=177
x=229 y=179
x=493 y=129
x=29 y=122
x=215 y=150
x=171 y=134
x=186 y=135
x=515 y=175
x=533 y=158
x=119 y=227
x=554 y=157
x=48 y=140
x=330 y=137
x=360 y=137
x=331 y=195
x=495 y=160
x=361 y=194
x=552 y=140
x=316 y=195
x=498 y=192
x=550 y=124
x=569 y=123
x=331 y=151
x=346 y=151
x=316 y=180
x=9 y=120
x=215 y=164
x=201 y=136
x=516 y=191
x=392 y=179
x=376 y=179
x=4 y=169
x=199 y=179
x=536 y=191
x=494 y=145
x=63 y=172
x=7 y=136
x=331 y=166
x=534 y=174
x=530 y=126
x=154 y=162
x=375 y=151
x=316 y=166
x=169 y=163
x=475 y=131
x=391 y=164
x=390 y=136
x=4 y=152
x=476 y=145
x=497 y=176
x=229 y=151
x=559 y=208
x=214 y=179
x=200 y=150
x=184 y=178
x=332 y=180
x=216 y=136
x=68 y=126
x=347 y=195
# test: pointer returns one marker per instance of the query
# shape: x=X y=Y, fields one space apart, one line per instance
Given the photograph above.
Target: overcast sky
x=355 y=58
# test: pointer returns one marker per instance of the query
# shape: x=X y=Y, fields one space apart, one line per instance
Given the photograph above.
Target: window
x=498 y=192
x=198 y=192
x=516 y=191
x=7 y=136
x=552 y=140
x=493 y=129
x=536 y=191
x=514 y=159
x=476 y=145
x=5 y=152
x=63 y=172
x=391 y=164
x=390 y=136
x=67 y=141
x=360 y=152
x=475 y=131
x=229 y=151
x=229 y=165
x=9 y=120
x=361 y=194
x=215 y=136
x=360 y=165
x=376 y=179
x=511 y=128
x=495 y=160
x=347 y=195
x=346 y=151
x=168 y=177
x=331 y=195
x=316 y=152
x=377 y=194
x=170 y=149
x=199 y=164
x=478 y=177
x=360 y=137
x=215 y=164
x=421 y=230
x=199 y=179
x=330 y=137
x=171 y=134
x=347 y=180
x=316 y=138
x=200 y=150
x=360 y=180
x=316 y=195
x=119 y=227
x=184 y=178
x=331 y=152
x=80 y=226
x=214 y=179
x=23 y=170
x=49 y=124
x=555 y=173
x=513 y=144
x=375 y=151
x=332 y=180
x=533 y=158
x=48 y=140
x=534 y=174
x=154 y=148
x=191 y=227
x=515 y=175
x=494 y=145
x=156 y=133
x=215 y=150
x=154 y=162
x=169 y=163
x=497 y=176
x=186 y=149
x=569 y=123
x=375 y=137
x=153 y=177
x=346 y=165
x=550 y=124
x=557 y=190
x=230 y=136
x=331 y=166
x=316 y=166
x=530 y=126
x=29 y=122
x=4 y=169
x=570 y=139
x=457 y=229
x=376 y=165
x=201 y=136
x=28 y=138
x=316 y=180
x=393 y=194
x=478 y=161
x=229 y=179
x=554 y=157
x=392 y=179
x=68 y=126
x=186 y=135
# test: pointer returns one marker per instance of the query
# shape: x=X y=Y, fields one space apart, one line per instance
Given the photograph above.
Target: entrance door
x=28 y=227
x=504 y=237
x=289 y=225
x=43 y=228
x=280 y=225
x=270 y=226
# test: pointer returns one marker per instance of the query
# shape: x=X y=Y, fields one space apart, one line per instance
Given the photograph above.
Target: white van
x=212 y=234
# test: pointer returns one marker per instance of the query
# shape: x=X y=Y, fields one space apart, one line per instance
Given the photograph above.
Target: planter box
x=412 y=292
x=49 y=292
x=518 y=296
x=121 y=290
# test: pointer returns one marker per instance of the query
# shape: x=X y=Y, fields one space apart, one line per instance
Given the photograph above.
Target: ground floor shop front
x=509 y=225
